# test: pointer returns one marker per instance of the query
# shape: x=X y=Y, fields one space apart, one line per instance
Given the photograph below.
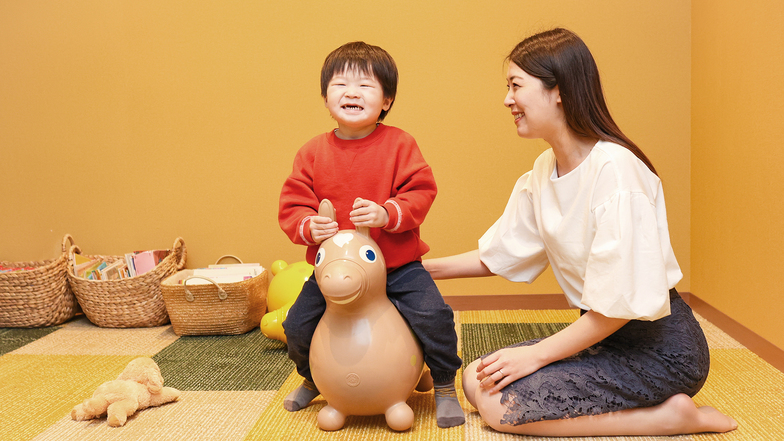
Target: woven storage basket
x=214 y=308
x=37 y=297
x=135 y=302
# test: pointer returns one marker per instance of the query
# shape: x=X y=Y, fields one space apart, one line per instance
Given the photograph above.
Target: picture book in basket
x=134 y=264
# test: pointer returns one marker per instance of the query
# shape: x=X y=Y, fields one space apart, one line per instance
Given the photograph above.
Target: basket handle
x=189 y=296
x=74 y=250
x=66 y=239
x=228 y=255
x=179 y=249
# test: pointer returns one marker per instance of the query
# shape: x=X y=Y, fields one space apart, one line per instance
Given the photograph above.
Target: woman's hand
x=504 y=366
x=367 y=213
x=322 y=228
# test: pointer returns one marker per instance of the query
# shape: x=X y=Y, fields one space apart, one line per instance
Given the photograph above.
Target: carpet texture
x=233 y=386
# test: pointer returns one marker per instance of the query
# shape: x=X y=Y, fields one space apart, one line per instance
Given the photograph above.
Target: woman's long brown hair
x=560 y=58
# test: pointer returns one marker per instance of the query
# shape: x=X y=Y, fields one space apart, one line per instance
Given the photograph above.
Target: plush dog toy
x=138 y=387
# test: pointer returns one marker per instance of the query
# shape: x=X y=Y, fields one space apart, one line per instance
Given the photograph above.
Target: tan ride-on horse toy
x=364 y=358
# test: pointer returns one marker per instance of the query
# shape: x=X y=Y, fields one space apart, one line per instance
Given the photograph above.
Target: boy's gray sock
x=300 y=397
x=448 y=410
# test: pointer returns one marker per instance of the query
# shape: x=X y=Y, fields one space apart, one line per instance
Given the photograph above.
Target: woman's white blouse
x=602 y=227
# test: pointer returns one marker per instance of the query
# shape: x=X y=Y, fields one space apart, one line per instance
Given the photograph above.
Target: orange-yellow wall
x=129 y=123
x=737 y=161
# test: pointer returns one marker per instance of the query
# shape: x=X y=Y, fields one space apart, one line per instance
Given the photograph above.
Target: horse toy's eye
x=367 y=253
x=320 y=256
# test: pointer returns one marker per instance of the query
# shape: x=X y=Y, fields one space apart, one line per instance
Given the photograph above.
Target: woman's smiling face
x=536 y=110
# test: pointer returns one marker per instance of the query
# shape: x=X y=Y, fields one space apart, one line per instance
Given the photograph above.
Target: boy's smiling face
x=355 y=100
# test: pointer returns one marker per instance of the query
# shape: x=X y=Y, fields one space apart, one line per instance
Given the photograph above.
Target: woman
x=593 y=208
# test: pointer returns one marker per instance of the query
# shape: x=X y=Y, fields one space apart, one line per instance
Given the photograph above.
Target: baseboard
x=745 y=336
x=511 y=301
x=763 y=348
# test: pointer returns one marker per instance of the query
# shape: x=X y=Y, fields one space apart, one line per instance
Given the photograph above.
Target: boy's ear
x=386 y=105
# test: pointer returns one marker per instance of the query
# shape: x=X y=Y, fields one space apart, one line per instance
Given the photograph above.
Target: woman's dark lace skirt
x=640 y=365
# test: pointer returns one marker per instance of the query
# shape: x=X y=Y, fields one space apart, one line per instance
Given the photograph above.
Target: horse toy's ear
x=365 y=231
x=326 y=209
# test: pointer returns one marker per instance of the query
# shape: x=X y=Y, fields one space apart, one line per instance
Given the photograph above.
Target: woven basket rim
x=131 y=302
x=51 y=289
x=39 y=265
x=240 y=312
x=153 y=274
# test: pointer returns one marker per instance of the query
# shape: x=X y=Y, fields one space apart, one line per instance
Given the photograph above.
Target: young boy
x=383 y=166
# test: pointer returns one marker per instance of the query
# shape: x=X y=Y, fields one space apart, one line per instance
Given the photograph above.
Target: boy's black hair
x=366 y=58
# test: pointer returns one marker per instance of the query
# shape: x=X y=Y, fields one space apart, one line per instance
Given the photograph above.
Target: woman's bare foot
x=686 y=417
x=677 y=415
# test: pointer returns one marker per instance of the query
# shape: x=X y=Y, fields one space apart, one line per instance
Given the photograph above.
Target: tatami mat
x=279 y=424
x=233 y=386
x=197 y=415
x=80 y=337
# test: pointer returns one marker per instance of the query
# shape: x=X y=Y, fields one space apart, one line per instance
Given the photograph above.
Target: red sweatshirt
x=385 y=167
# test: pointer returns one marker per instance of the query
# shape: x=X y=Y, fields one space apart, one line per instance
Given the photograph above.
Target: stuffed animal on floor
x=138 y=387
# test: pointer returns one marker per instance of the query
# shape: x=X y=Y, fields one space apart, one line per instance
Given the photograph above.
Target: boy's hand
x=322 y=228
x=367 y=213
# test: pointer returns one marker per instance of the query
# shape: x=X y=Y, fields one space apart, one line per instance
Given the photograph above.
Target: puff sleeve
x=512 y=247
x=626 y=273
